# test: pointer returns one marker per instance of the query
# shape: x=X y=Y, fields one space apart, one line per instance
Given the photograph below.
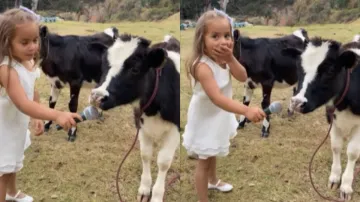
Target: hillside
x=282 y=12
x=103 y=10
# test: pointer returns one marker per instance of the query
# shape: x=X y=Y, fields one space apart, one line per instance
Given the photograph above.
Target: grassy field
x=84 y=171
x=273 y=169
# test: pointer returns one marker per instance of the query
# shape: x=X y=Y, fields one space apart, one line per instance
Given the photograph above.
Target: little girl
x=211 y=121
x=19 y=45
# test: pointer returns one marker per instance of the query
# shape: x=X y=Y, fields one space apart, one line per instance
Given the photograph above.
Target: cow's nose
x=297 y=102
x=97 y=95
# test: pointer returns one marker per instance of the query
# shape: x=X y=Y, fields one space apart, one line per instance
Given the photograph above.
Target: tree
x=223 y=4
x=18 y=3
x=34 y=4
x=207 y=5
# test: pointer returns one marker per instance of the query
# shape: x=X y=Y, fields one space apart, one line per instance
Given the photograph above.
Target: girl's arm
x=37 y=124
x=36 y=96
x=237 y=70
x=10 y=81
x=208 y=83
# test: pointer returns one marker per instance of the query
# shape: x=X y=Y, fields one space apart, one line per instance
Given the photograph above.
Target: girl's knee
x=204 y=163
x=4 y=177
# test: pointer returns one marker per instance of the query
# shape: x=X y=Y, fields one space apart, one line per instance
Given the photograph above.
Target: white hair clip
x=30 y=11
x=228 y=17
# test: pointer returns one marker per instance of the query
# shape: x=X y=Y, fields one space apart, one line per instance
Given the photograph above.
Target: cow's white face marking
x=110 y=32
x=299 y=34
x=311 y=59
x=116 y=62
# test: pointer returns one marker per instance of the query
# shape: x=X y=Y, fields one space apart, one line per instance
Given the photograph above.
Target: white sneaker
x=224 y=188
x=16 y=199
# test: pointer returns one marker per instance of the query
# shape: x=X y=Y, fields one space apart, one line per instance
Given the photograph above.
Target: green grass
x=84 y=171
x=273 y=169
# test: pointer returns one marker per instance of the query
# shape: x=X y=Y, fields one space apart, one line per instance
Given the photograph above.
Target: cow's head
x=169 y=43
x=113 y=32
x=302 y=34
x=107 y=37
x=298 y=39
x=129 y=59
x=322 y=67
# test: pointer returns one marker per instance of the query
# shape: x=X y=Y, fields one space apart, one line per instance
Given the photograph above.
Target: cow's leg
x=73 y=106
x=266 y=90
x=146 y=150
x=290 y=110
x=249 y=87
x=353 y=152
x=336 y=147
x=55 y=92
x=165 y=157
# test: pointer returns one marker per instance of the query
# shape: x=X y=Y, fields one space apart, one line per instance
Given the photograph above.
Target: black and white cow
x=131 y=79
x=323 y=70
x=266 y=65
x=72 y=60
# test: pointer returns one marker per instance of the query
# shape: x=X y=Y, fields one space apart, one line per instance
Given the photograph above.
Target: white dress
x=209 y=128
x=14 y=133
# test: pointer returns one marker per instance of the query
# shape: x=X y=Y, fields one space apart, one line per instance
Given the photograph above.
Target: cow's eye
x=135 y=70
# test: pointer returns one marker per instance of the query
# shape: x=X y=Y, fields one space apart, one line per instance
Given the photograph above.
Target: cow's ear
x=347 y=58
x=156 y=57
x=292 y=52
x=116 y=32
x=145 y=42
x=43 y=31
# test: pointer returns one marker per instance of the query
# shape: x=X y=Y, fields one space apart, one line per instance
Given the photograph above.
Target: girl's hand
x=66 y=119
x=255 y=114
x=38 y=127
x=224 y=53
